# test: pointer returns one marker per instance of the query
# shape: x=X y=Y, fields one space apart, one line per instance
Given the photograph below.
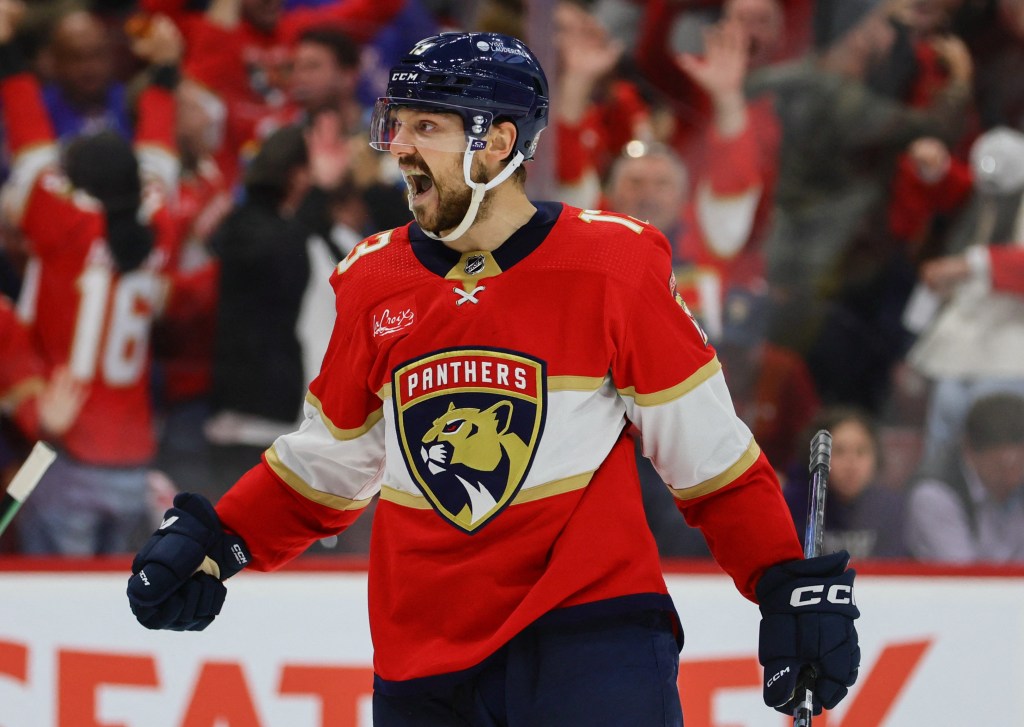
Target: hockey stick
x=24 y=481
x=821 y=458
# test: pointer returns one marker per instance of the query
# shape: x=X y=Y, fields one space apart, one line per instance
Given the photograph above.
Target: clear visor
x=402 y=123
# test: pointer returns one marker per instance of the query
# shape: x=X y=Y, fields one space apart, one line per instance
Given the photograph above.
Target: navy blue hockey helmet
x=483 y=77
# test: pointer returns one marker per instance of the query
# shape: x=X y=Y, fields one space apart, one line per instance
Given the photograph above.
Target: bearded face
x=438 y=195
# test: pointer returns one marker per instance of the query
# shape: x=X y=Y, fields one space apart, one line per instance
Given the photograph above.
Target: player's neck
x=509 y=210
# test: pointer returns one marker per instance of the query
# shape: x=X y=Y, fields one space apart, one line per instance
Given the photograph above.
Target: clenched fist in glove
x=176 y=581
x=807 y=613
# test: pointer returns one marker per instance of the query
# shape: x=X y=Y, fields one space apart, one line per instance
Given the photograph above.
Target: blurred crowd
x=841 y=182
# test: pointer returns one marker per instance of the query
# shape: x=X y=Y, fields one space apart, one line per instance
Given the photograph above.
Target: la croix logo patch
x=392 y=319
x=469 y=421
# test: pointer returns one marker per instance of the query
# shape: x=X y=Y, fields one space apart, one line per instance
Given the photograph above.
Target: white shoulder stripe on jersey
x=580 y=429
x=338 y=473
x=695 y=441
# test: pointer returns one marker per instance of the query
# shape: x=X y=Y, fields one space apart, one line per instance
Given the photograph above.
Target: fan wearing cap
x=487 y=363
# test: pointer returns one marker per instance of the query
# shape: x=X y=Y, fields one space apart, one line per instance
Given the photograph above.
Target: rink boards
x=292 y=649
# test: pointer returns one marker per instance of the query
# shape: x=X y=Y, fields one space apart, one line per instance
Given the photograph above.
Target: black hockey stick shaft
x=821 y=459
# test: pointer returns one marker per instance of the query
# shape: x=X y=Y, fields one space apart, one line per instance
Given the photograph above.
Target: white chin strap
x=479 y=189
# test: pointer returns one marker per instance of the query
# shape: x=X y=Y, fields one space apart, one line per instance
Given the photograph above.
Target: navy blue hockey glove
x=167 y=589
x=807 y=613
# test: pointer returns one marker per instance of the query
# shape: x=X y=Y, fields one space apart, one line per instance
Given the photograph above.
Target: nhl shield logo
x=475 y=264
x=469 y=421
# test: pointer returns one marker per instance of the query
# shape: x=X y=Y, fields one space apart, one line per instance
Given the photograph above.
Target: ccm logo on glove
x=777 y=677
x=838 y=594
x=240 y=557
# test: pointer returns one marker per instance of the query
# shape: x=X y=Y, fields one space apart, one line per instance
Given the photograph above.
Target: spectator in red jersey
x=237 y=46
x=598 y=111
x=732 y=153
x=98 y=241
x=733 y=184
x=929 y=181
x=712 y=228
x=242 y=51
x=763 y=23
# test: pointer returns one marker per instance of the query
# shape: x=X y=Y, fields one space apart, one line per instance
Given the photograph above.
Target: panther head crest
x=477 y=449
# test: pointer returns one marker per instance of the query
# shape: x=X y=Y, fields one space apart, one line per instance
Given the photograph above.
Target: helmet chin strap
x=479 y=190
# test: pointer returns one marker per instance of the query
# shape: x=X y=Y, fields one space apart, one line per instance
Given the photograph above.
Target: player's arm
x=310 y=484
x=675 y=393
x=316 y=481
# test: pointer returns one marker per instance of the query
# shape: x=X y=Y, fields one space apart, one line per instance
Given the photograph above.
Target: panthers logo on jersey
x=469 y=421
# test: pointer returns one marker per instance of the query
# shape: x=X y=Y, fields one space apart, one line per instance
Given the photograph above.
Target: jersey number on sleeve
x=364 y=248
x=624 y=220
x=121 y=347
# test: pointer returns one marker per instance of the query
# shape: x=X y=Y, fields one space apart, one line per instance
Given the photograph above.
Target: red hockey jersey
x=485 y=397
x=80 y=310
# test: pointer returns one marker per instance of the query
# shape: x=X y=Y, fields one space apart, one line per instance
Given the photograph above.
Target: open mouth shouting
x=419 y=185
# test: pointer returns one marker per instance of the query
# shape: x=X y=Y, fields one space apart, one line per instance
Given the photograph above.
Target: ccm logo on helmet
x=838 y=594
x=404 y=76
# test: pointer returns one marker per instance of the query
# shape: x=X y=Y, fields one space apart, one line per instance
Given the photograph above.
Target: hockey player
x=485 y=362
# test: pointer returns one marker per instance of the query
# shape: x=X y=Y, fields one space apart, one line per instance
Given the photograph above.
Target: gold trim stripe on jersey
x=672 y=393
x=344 y=435
x=719 y=481
x=550 y=489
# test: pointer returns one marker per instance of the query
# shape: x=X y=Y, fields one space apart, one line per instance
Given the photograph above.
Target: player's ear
x=502 y=139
